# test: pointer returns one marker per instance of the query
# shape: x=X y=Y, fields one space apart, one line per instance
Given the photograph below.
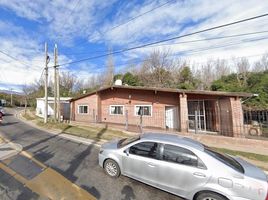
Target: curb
x=58 y=132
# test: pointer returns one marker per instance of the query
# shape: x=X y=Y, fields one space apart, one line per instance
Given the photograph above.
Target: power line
x=194 y=63
x=166 y=40
x=185 y=42
x=14 y=59
x=130 y=20
x=69 y=15
x=194 y=51
x=138 y=16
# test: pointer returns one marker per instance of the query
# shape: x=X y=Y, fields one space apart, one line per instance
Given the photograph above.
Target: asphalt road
x=75 y=161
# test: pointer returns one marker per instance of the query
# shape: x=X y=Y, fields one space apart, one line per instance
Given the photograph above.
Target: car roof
x=173 y=139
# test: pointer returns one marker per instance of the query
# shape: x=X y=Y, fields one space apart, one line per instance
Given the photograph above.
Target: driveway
x=73 y=162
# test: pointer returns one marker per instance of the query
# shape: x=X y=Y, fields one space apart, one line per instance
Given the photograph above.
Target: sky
x=83 y=29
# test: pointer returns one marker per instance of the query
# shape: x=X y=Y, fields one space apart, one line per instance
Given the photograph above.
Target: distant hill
x=9 y=92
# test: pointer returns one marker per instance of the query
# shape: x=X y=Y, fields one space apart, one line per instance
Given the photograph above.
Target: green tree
x=257 y=82
x=186 y=79
x=131 y=79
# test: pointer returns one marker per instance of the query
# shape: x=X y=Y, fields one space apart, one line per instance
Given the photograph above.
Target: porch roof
x=171 y=90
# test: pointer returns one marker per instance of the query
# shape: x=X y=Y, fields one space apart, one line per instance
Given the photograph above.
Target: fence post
x=195 y=122
x=141 y=128
x=94 y=117
x=126 y=120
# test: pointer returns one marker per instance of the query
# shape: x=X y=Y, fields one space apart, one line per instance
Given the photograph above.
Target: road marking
x=49 y=183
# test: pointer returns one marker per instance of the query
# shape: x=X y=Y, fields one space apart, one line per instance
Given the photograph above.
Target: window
x=116 y=110
x=181 y=156
x=227 y=160
x=82 y=109
x=145 y=110
x=145 y=149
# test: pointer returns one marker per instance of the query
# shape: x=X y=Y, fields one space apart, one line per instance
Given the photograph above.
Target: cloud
x=21 y=57
x=63 y=21
x=79 y=20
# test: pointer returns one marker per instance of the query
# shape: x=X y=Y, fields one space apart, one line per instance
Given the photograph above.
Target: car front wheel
x=209 y=196
x=111 y=168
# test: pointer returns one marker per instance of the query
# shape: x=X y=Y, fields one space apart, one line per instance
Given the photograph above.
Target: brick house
x=183 y=110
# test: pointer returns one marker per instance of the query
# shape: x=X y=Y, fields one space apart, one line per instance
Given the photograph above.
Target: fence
x=256 y=122
x=206 y=121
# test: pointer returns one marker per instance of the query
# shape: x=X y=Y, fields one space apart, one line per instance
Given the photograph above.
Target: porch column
x=183 y=113
x=98 y=108
x=72 y=111
x=237 y=117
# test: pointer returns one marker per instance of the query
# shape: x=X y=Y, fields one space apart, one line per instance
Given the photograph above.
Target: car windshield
x=228 y=160
x=125 y=141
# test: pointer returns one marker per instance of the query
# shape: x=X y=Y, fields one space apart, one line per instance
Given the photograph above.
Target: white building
x=3 y=102
x=64 y=107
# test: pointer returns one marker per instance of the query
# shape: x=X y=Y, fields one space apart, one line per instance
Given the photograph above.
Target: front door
x=141 y=162
x=197 y=115
x=171 y=117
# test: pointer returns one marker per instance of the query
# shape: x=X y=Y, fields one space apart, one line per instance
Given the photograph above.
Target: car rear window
x=228 y=160
x=125 y=141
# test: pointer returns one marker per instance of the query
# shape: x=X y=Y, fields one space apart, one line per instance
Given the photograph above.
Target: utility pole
x=58 y=85
x=11 y=97
x=55 y=82
x=46 y=84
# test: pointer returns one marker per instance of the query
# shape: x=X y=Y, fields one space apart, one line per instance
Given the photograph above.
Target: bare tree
x=27 y=91
x=156 y=69
x=109 y=73
x=221 y=68
x=242 y=68
x=68 y=82
x=262 y=64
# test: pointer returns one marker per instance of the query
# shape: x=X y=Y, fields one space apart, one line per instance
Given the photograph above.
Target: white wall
x=40 y=109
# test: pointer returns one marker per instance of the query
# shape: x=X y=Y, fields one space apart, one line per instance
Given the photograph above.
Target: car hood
x=110 y=145
x=251 y=170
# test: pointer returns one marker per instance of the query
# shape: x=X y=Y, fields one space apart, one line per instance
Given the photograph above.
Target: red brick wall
x=91 y=102
x=130 y=98
x=237 y=117
x=229 y=111
x=183 y=113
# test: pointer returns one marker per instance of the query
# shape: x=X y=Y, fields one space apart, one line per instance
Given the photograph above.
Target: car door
x=141 y=162
x=180 y=170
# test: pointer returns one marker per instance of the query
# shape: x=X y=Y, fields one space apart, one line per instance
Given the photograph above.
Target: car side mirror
x=126 y=152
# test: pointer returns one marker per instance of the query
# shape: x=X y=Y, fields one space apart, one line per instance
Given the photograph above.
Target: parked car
x=184 y=167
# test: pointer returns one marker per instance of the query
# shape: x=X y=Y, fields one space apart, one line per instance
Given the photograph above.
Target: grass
x=28 y=116
x=94 y=133
x=251 y=156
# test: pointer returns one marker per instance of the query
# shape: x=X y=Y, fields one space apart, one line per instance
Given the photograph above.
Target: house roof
x=171 y=90
x=52 y=98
